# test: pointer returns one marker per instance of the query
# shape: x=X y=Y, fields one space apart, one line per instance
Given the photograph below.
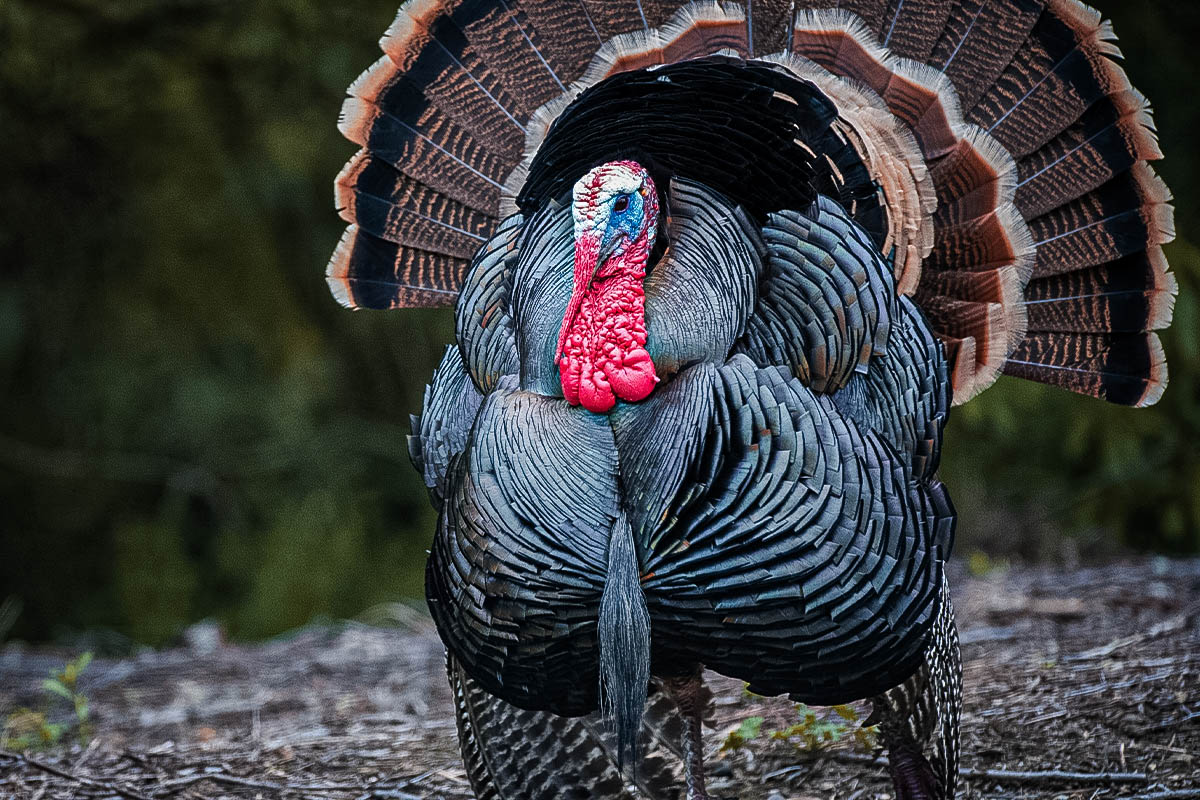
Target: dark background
x=191 y=427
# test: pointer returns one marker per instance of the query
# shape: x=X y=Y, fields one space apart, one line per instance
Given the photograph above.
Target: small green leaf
x=750 y=728
x=52 y=732
x=56 y=686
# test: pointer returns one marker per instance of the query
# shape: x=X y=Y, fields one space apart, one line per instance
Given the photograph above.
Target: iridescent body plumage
x=711 y=313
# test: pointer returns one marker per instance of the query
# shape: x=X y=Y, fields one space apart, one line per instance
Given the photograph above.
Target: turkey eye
x=621 y=204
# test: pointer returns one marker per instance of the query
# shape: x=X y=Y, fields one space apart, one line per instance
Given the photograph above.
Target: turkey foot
x=688 y=691
x=911 y=773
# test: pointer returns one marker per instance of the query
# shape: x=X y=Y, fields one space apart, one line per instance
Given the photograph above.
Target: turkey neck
x=602 y=345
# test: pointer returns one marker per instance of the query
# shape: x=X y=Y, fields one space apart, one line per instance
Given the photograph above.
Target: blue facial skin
x=627 y=222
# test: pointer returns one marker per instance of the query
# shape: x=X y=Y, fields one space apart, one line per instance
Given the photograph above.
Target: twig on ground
x=1052 y=776
x=108 y=786
x=87 y=753
x=176 y=784
x=392 y=791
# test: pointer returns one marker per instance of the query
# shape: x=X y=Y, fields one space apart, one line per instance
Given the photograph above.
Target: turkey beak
x=605 y=251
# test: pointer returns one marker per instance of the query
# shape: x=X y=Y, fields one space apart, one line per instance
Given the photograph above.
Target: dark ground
x=1093 y=672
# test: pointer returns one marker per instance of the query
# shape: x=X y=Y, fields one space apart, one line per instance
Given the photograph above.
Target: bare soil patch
x=1081 y=684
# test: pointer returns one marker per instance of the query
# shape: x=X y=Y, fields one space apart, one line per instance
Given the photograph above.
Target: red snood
x=602 y=345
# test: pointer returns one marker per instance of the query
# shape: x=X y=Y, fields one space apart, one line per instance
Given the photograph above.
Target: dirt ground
x=1080 y=684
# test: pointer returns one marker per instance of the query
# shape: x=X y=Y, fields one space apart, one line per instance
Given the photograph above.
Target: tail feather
x=976 y=227
x=985 y=325
x=1107 y=140
x=1052 y=80
x=614 y=17
x=1123 y=368
x=693 y=31
x=503 y=37
x=1134 y=293
x=394 y=207
x=895 y=164
x=437 y=56
x=999 y=288
x=561 y=33
x=388 y=87
x=993 y=240
x=1097 y=213
x=1129 y=214
x=1001 y=285
x=844 y=44
x=368 y=272
x=912 y=27
x=422 y=155
x=979 y=41
x=871 y=12
x=1044 y=174
x=770 y=23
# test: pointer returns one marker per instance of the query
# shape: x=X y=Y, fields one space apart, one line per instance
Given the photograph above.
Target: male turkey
x=719 y=271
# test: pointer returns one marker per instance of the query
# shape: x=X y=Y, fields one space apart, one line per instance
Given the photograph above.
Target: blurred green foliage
x=190 y=427
x=64 y=710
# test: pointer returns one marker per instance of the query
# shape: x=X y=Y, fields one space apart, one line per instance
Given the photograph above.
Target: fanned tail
x=1008 y=146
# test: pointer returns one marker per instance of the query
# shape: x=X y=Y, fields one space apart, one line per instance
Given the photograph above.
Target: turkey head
x=601 y=351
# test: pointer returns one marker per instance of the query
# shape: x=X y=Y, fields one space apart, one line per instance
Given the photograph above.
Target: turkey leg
x=688 y=693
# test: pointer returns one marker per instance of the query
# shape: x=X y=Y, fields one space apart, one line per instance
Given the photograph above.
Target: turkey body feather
x=766 y=245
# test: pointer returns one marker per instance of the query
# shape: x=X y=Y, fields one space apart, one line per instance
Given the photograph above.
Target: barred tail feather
x=1125 y=368
x=1097 y=212
x=368 y=272
x=976 y=227
x=1109 y=138
x=394 y=207
x=451 y=107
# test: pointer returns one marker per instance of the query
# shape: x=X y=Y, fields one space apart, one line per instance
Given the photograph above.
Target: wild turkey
x=719 y=270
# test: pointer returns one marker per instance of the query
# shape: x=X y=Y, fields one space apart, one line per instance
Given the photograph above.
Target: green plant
x=980 y=564
x=812 y=732
x=750 y=728
x=29 y=729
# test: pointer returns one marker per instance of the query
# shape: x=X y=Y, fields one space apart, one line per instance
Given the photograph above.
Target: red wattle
x=602 y=345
